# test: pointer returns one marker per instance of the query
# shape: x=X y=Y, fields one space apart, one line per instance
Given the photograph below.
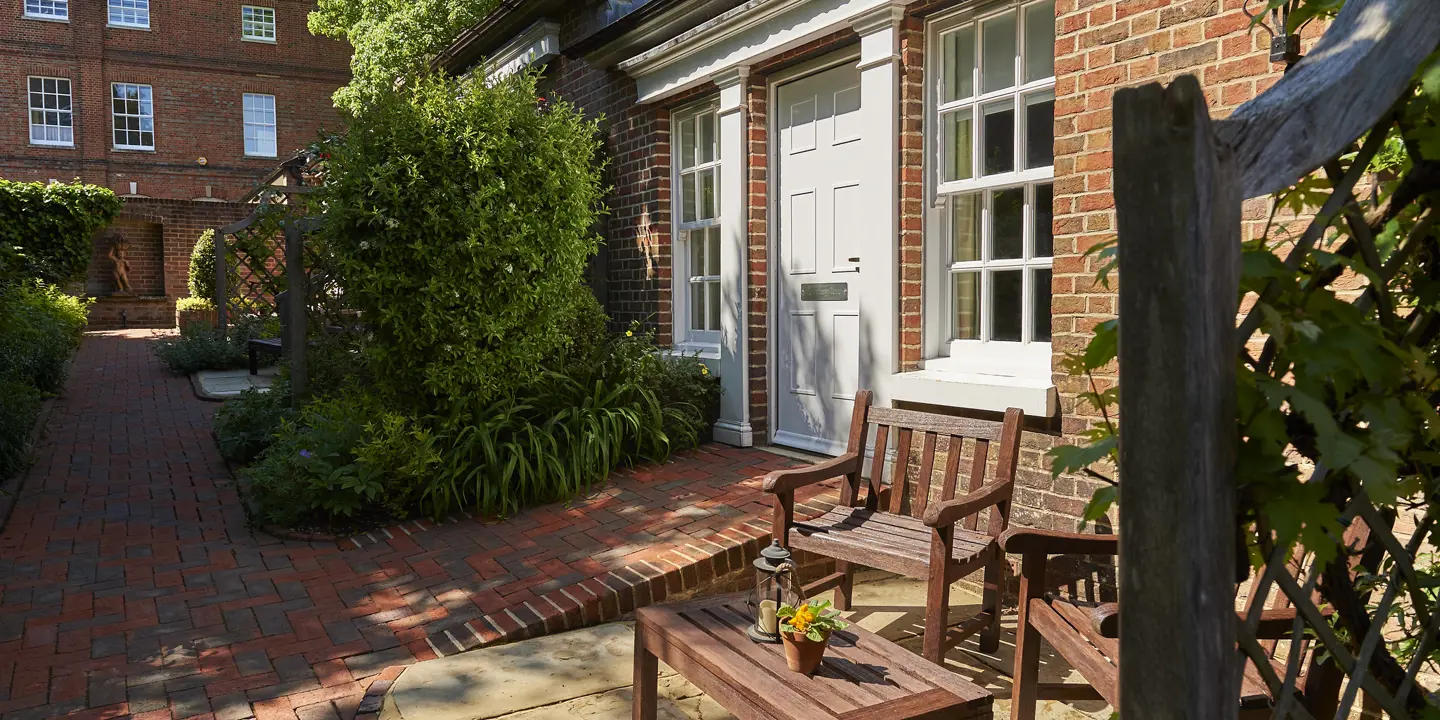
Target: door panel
x=819 y=323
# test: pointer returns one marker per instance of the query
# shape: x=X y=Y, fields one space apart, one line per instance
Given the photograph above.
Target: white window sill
x=39 y=143
x=46 y=18
x=123 y=26
x=701 y=350
x=260 y=156
x=131 y=149
x=258 y=40
x=1034 y=395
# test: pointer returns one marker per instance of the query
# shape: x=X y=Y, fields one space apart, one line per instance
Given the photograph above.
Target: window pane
x=959 y=143
x=1040 y=294
x=1040 y=130
x=1008 y=305
x=707 y=138
x=687 y=198
x=687 y=143
x=1044 y=221
x=959 y=64
x=965 y=228
x=697 y=306
x=712 y=254
x=1007 y=231
x=999 y=136
x=697 y=254
x=1039 y=41
x=966 y=299
x=997 y=66
x=708 y=197
x=714 y=305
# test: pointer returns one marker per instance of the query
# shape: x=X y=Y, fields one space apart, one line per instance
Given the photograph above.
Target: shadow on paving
x=131 y=585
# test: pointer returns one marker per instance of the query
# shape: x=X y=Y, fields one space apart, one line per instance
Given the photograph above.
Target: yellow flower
x=804 y=615
x=629 y=333
x=704 y=370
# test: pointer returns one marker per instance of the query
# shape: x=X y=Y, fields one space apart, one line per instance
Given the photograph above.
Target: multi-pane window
x=697 y=252
x=51 y=117
x=257 y=23
x=48 y=9
x=994 y=117
x=130 y=13
x=260 y=125
x=133 y=112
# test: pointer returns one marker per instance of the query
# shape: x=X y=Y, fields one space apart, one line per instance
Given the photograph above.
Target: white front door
x=818 y=206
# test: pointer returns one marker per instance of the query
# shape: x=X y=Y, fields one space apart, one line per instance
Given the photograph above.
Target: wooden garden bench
x=932 y=535
x=1088 y=637
x=255 y=346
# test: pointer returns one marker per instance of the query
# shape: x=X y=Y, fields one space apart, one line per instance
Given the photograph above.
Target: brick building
x=180 y=106
x=823 y=195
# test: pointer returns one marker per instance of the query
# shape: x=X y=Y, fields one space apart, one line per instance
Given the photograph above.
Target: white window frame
x=140 y=117
x=30 y=106
x=139 y=8
x=248 y=123
x=684 y=279
x=1029 y=356
x=249 y=23
x=53 y=10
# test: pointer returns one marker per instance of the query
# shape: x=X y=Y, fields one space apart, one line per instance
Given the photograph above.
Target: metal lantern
x=775 y=585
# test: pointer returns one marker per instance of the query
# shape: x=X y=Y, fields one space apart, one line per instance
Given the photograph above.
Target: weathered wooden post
x=222 y=293
x=1177 y=195
x=296 y=326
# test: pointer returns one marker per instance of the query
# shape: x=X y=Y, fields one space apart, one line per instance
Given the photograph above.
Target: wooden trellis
x=1179 y=182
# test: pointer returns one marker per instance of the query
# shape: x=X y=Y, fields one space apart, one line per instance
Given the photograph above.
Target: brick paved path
x=130 y=584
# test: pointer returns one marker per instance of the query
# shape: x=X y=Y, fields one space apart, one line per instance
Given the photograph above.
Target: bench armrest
x=783 y=481
x=1020 y=541
x=948 y=512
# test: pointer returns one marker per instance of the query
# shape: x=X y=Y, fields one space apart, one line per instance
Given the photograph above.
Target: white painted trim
x=732 y=132
x=742 y=36
x=1035 y=396
x=536 y=44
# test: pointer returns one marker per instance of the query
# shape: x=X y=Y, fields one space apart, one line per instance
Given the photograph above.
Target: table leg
x=647 y=673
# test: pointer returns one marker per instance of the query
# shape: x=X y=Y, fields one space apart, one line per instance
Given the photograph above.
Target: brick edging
x=374 y=700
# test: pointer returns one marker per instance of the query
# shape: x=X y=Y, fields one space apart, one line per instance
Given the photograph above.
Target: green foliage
x=814 y=619
x=201 y=281
x=460 y=217
x=46 y=229
x=247 y=425
x=192 y=304
x=392 y=39
x=39 y=328
x=201 y=347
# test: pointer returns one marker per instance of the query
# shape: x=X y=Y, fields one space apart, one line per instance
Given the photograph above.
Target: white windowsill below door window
x=1034 y=394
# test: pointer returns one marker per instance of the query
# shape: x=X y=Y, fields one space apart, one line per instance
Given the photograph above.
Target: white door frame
x=877 y=56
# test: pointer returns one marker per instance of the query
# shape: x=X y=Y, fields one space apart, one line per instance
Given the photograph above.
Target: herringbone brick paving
x=130 y=584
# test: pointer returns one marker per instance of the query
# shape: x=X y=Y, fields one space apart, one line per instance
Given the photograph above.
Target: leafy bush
x=19 y=405
x=247 y=425
x=460 y=216
x=189 y=304
x=310 y=473
x=200 y=347
x=201 y=281
x=39 y=327
x=51 y=226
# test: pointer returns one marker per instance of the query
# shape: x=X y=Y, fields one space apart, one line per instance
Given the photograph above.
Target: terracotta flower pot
x=802 y=654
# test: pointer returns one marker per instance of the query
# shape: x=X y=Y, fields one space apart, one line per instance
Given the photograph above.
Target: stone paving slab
x=226 y=384
x=130 y=583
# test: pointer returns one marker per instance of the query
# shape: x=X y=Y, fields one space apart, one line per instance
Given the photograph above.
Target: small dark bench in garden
x=269 y=346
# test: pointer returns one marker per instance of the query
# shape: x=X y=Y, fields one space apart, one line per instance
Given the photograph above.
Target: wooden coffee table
x=863 y=676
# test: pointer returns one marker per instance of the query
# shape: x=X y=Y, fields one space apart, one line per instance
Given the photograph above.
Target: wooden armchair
x=1088 y=637
x=935 y=538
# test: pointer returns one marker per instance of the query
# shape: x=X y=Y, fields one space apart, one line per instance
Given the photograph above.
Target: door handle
x=855 y=259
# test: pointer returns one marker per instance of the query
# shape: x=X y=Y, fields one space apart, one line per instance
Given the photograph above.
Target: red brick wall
x=179 y=223
x=199 y=69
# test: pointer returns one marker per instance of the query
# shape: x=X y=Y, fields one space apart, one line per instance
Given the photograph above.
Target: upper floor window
x=133 y=112
x=259 y=125
x=257 y=23
x=48 y=9
x=51 y=116
x=697 y=238
x=130 y=13
x=991 y=130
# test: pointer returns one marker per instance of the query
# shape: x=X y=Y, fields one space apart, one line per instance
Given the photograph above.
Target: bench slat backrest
x=902 y=425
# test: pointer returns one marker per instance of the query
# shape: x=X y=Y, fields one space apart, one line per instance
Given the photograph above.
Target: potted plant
x=806 y=631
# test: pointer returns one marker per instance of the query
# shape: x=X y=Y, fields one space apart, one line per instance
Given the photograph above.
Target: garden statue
x=118 y=247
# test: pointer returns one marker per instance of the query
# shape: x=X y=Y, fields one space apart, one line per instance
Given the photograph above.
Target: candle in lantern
x=767 y=617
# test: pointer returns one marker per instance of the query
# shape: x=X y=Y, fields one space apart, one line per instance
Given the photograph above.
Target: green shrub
x=460 y=217
x=247 y=425
x=19 y=404
x=200 y=347
x=310 y=474
x=52 y=225
x=189 y=304
x=40 y=327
